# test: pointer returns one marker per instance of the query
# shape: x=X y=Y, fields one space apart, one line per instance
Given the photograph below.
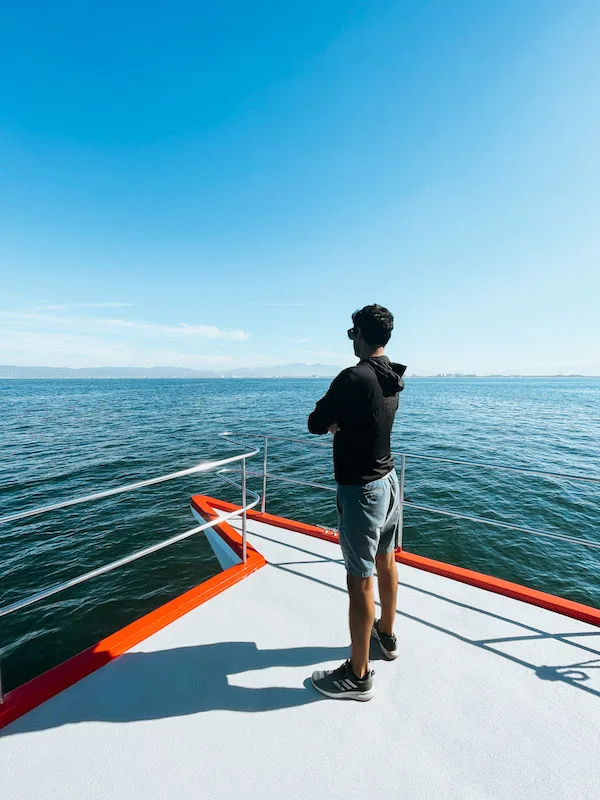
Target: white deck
x=490 y=698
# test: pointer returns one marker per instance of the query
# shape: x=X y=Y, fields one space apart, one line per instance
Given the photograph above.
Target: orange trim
x=36 y=691
x=269 y=519
x=532 y=596
x=205 y=506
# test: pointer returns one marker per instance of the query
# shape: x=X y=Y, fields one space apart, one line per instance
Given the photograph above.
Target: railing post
x=401 y=521
x=244 y=514
x=263 y=502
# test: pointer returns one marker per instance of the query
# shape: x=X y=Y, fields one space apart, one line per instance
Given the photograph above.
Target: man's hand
x=335 y=428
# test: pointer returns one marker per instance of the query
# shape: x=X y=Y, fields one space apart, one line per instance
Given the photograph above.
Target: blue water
x=66 y=438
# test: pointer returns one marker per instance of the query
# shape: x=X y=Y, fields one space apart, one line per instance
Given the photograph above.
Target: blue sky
x=217 y=184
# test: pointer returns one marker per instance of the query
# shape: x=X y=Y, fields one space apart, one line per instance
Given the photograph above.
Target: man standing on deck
x=359 y=409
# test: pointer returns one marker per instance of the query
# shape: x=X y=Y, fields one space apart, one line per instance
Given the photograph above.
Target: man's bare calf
x=362 y=609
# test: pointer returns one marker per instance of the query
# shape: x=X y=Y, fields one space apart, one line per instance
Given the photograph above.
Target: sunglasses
x=352 y=333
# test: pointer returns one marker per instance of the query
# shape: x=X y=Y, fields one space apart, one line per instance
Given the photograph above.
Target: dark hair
x=376 y=324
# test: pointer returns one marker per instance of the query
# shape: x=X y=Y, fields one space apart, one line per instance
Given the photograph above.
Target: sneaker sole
x=389 y=654
x=360 y=696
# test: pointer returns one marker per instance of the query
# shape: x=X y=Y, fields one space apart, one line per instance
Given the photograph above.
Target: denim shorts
x=369 y=518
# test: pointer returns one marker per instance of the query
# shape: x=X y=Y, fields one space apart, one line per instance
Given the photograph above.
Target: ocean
x=61 y=439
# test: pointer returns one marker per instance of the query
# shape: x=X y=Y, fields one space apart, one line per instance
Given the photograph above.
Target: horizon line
x=232 y=372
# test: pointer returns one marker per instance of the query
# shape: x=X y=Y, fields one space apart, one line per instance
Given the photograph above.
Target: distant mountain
x=285 y=371
x=279 y=371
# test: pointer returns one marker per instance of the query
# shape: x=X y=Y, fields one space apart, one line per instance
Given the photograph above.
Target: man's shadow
x=177 y=682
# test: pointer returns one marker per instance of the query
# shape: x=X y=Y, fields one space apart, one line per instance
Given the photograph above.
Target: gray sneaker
x=388 y=644
x=342 y=683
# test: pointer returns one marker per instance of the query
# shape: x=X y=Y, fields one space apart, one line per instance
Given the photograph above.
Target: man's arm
x=328 y=409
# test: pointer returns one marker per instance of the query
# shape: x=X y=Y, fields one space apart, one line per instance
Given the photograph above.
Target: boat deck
x=490 y=698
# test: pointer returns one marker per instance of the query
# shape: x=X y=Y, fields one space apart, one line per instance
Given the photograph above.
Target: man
x=359 y=409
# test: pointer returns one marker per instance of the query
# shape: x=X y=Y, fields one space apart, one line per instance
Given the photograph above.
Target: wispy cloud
x=132 y=326
x=48 y=337
x=30 y=348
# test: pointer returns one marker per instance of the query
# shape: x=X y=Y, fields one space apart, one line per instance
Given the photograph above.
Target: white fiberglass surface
x=490 y=698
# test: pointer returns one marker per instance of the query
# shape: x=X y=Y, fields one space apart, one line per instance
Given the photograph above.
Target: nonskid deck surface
x=490 y=698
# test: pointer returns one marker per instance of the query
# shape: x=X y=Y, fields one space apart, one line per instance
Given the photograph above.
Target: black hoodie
x=363 y=401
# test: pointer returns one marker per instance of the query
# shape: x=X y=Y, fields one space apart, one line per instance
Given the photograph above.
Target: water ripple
x=68 y=438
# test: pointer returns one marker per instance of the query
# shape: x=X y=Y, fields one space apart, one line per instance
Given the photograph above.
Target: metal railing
x=222 y=469
x=266 y=475
x=208 y=466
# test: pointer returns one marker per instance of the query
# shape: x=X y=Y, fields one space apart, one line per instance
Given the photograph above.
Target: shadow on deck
x=188 y=680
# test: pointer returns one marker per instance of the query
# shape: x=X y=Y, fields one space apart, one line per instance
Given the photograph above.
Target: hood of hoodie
x=388 y=374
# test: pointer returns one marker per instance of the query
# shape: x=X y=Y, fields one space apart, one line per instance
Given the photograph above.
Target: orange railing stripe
x=534 y=597
x=36 y=691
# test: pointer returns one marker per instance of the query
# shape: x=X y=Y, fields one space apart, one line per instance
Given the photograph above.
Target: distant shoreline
x=294 y=371
x=276 y=377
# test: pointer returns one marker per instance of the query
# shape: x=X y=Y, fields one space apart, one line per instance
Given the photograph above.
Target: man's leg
x=362 y=616
x=358 y=537
x=387 y=578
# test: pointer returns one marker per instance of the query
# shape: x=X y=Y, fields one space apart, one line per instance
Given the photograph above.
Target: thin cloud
x=206 y=331
x=80 y=350
x=132 y=326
